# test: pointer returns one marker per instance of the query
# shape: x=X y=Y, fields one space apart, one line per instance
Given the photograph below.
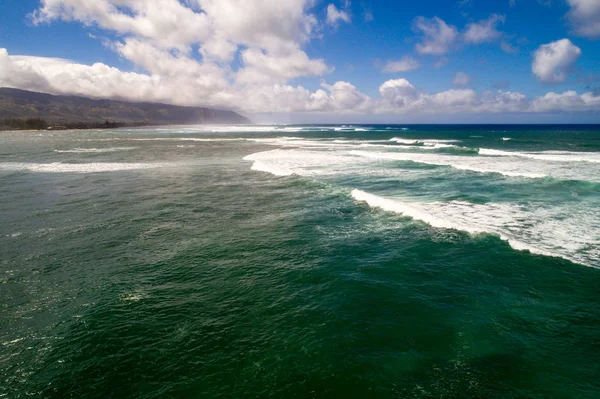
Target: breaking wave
x=540 y=231
x=58 y=167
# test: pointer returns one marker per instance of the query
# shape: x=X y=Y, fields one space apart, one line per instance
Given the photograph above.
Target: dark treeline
x=23 y=124
x=40 y=124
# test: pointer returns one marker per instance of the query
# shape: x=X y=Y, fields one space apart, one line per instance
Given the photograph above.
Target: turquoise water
x=301 y=261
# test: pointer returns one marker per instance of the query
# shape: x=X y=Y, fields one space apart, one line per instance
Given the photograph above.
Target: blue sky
x=301 y=60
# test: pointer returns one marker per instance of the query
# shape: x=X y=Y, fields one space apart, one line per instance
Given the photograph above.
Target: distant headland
x=27 y=110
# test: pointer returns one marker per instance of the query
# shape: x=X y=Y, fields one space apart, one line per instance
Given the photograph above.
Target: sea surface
x=301 y=262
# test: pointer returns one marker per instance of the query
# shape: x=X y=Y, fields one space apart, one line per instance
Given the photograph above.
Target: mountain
x=80 y=111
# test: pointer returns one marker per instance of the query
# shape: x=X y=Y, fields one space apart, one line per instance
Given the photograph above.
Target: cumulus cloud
x=218 y=27
x=567 y=101
x=461 y=79
x=484 y=31
x=267 y=40
x=405 y=64
x=438 y=36
x=167 y=22
x=191 y=83
x=585 y=17
x=262 y=67
x=334 y=16
x=508 y=48
x=553 y=62
x=400 y=96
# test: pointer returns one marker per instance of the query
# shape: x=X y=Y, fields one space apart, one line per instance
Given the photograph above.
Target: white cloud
x=399 y=96
x=219 y=27
x=260 y=67
x=180 y=80
x=347 y=98
x=267 y=39
x=508 y=48
x=167 y=22
x=405 y=64
x=553 y=62
x=567 y=101
x=397 y=93
x=484 y=31
x=441 y=62
x=585 y=17
x=334 y=16
x=461 y=79
x=438 y=37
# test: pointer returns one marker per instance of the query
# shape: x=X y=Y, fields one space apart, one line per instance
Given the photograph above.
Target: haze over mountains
x=63 y=110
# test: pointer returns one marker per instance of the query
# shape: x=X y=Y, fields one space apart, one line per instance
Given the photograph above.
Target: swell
x=555 y=231
x=553 y=156
x=416 y=213
x=507 y=166
x=94 y=150
x=59 y=167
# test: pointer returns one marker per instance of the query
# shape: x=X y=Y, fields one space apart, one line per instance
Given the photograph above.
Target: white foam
x=275 y=170
x=400 y=140
x=14 y=341
x=185 y=139
x=94 y=150
x=302 y=162
x=424 y=142
x=556 y=156
x=569 y=234
x=249 y=129
x=508 y=166
x=299 y=142
x=58 y=167
x=506 y=139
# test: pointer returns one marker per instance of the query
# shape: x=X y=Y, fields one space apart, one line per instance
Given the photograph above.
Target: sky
x=313 y=61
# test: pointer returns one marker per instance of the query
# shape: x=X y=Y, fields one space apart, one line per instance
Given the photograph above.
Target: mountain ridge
x=74 y=110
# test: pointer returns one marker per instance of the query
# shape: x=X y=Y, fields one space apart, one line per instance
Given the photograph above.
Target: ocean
x=285 y=261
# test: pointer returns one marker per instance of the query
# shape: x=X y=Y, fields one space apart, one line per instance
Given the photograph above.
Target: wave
x=423 y=142
x=314 y=157
x=556 y=156
x=507 y=166
x=299 y=142
x=94 y=150
x=448 y=160
x=185 y=139
x=58 y=167
x=454 y=149
x=523 y=230
x=506 y=138
x=304 y=162
x=350 y=129
x=442 y=148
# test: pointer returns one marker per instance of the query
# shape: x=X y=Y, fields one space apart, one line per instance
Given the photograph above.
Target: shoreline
x=124 y=126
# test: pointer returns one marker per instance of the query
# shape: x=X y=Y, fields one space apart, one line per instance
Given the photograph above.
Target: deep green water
x=325 y=262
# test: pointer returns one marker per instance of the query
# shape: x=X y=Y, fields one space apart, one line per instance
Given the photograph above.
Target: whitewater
x=418 y=178
x=300 y=261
